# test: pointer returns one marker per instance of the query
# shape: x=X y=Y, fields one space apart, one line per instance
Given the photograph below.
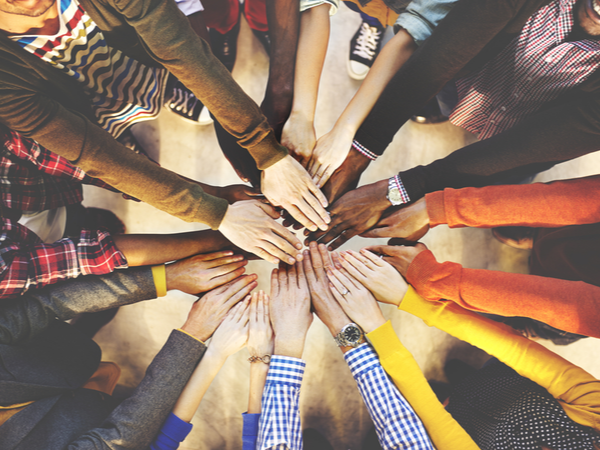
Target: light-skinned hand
x=316 y=261
x=289 y=309
x=251 y=226
x=260 y=336
x=209 y=311
x=356 y=300
x=410 y=223
x=377 y=275
x=299 y=137
x=232 y=335
x=201 y=273
x=287 y=184
x=399 y=256
x=329 y=153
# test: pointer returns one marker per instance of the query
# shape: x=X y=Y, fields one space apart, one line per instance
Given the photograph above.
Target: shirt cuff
x=363 y=150
x=384 y=339
x=251 y=422
x=361 y=359
x=286 y=370
x=421 y=271
x=176 y=428
x=415 y=26
x=159 y=274
x=435 y=208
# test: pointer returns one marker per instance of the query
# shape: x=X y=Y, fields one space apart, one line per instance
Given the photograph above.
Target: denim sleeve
x=250 y=431
x=172 y=433
x=422 y=16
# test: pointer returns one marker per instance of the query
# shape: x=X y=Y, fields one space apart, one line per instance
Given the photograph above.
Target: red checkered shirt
x=536 y=67
x=26 y=262
x=33 y=178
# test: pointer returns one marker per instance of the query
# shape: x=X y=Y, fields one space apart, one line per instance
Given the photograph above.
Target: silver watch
x=393 y=193
x=350 y=336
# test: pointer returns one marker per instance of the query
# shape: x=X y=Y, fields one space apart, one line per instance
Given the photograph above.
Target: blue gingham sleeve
x=279 y=427
x=396 y=423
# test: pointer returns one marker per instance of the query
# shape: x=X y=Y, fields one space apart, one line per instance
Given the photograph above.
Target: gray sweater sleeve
x=136 y=421
x=24 y=317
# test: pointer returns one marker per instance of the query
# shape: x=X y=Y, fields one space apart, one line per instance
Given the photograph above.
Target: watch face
x=394 y=196
x=352 y=334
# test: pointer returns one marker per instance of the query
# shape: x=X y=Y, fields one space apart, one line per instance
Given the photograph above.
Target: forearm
x=555 y=204
x=312 y=48
x=445 y=433
x=568 y=305
x=198 y=384
x=393 y=55
x=151 y=249
x=577 y=391
x=258 y=378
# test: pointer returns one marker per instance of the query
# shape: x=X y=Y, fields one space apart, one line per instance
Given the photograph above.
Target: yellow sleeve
x=159 y=273
x=577 y=391
x=443 y=430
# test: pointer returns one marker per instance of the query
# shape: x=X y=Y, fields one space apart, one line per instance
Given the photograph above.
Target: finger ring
x=381 y=256
x=346 y=292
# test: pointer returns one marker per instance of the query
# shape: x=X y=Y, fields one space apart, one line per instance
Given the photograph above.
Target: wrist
x=293 y=347
x=372 y=324
x=381 y=195
x=215 y=354
x=302 y=115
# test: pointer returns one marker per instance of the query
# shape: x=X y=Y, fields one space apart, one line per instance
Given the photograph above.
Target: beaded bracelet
x=264 y=359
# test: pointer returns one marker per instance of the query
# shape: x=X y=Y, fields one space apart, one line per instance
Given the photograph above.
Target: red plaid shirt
x=33 y=178
x=536 y=67
x=26 y=262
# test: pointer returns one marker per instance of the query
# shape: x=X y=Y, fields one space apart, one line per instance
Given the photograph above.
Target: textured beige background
x=330 y=401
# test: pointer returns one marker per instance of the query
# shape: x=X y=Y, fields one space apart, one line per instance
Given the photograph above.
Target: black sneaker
x=364 y=48
x=224 y=46
x=186 y=105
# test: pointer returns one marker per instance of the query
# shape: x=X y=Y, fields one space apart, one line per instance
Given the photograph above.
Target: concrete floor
x=330 y=401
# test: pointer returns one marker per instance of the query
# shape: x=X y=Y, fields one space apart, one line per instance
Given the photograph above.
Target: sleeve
x=460 y=37
x=137 y=420
x=170 y=40
x=189 y=7
x=172 y=433
x=25 y=317
x=567 y=305
x=422 y=16
x=27 y=263
x=396 y=423
x=555 y=204
x=279 y=427
x=577 y=391
x=445 y=432
x=250 y=431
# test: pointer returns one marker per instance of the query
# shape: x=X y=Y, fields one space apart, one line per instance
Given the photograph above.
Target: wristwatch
x=350 y=336
x=393 y=193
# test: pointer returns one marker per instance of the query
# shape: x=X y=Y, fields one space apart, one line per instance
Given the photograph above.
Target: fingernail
x=312 y=244
x=323 y=227
x=291 y=260
x=328 y=219
x=299 y=257
x=299 y=246
x=305 y=253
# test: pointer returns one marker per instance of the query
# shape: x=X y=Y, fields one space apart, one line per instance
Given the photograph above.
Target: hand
x=251 y=226
x=202 y=273
x=325 y=305
x=260 y=337
x=231 y=336
x=299 y=137
x=356 y=300
x=410 y=223
x=398 y=256
x=379 y=277
x=288 y=185
x=345 y=178
x=289 y=309
x=238 y=192
x=330 y=152
x=354 y=213
x=208 y=312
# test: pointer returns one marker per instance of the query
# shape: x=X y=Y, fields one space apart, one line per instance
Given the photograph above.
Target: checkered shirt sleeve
x=26 y=262
x=396 y=423
x=279 y=427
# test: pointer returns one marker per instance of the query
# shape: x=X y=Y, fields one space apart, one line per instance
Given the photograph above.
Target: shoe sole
x=353 y=74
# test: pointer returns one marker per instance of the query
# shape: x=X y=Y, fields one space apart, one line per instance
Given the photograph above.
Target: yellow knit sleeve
x=577 y=391
x=443 y=430
x=159 y=273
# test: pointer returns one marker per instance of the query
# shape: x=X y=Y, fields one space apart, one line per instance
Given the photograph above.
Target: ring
x=345 y=293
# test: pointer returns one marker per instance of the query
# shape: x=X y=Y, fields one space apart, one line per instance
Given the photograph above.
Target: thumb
x=271 y=212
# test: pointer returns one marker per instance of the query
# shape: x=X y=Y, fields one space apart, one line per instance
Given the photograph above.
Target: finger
x=387 y=250
x=226 y=268
x=317 y=262
x=239 y=309
x=336 y=259
x=354 y=271
x=254 y=308
x=259 y=308
x=221 y=261
x=292 y=278
x=301 y=276
x=325 y=256
x=308 y=270
x=263 y=254
x=272 y=212
x=213 y=256
x=317 y=207
x=338 y=296
x=283 y=279
x=277 y=252
x=337 y=284
x=241 y=294
x=363 y=264
x=223 y=279
x=372 y=257
x=346 y=279
x=243 y=316
x=326 y=176
x=274 y=283
x=288 y=236
x=299 y=216
x=382 y=232
x=342 y=238
x=319 y=196
x=336 y=227
x=320 y=174
x=280 y=248
x=235 y=286
x=313 y=166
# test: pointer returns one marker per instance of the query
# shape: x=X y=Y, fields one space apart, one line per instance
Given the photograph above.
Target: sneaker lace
x=366 y=43
x=183 y=100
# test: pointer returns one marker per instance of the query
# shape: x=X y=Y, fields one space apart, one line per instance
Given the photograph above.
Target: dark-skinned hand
x=410 y=223
x=346 y=177
x=238 y=192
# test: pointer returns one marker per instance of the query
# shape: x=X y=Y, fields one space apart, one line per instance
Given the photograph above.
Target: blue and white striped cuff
x=286 y=370
x=361 y=359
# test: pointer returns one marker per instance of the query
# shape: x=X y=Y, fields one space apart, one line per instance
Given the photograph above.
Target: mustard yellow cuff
x=159 y=273
x=384 y=340
x=185 y=332
x=410 y=296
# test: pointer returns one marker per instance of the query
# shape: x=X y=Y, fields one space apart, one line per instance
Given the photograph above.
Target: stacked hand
x=232 y=335
x=260 y=337
x=410 y=223
x=398 y=256
x=328 y=155
x=299 y=137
